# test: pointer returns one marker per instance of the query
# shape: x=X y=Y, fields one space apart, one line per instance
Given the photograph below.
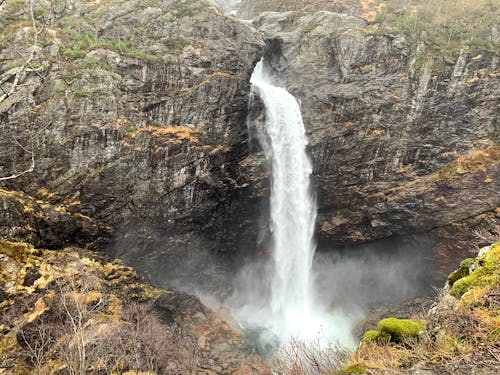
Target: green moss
x=485 y=275
x=370 y=335
x=398 y=329
x=176 y=44
x=462 y=271
x=352 y=369
x=82 y=94
x=87 y=41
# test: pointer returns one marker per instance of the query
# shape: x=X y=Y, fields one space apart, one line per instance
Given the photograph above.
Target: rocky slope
x=66 y=311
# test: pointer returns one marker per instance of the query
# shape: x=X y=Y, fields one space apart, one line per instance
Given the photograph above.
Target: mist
x=228 y=6
x=348 y=284
x=383 y=272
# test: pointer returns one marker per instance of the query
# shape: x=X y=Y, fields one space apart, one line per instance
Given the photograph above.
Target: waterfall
x=277 y=298
x=293 y=210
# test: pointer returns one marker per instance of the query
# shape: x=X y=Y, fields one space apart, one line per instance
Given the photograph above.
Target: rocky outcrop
x=49 y=226
x=400 y=141
x=67 y=309
x=249 y=9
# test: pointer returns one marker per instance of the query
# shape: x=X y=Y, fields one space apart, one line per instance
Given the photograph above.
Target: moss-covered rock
x=485 y=275
x=352 y=369
x=398 y=329
x=370 y=335
x=462 y=271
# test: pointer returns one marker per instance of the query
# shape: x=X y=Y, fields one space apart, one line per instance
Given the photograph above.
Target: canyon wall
x=130 y=121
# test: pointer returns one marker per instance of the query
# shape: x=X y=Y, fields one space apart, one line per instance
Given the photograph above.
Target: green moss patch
x=87 y=41
x=399 y=329
x=353 y=369
x=462 y=271
x=370 y=335
x=485 y=275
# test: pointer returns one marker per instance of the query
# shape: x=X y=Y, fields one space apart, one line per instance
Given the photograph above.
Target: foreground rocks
x=460 y=333
x=64 y=310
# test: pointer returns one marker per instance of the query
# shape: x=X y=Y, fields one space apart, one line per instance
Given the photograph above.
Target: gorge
x=131 y=131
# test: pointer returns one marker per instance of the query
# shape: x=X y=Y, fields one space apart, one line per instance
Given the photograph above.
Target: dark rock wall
x=400 y=142
x=142 y=127
x=136 y=113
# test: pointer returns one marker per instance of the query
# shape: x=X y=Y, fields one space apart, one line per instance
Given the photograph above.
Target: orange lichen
x=169 y=134
x=208 y=80
x=217 y=149
x=475 y=160
x=370 y=9
x=405 y=169
x=375 y=133
x=120 y=122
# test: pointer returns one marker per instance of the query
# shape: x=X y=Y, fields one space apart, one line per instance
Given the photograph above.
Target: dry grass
x=308 y=358
x=169 y=134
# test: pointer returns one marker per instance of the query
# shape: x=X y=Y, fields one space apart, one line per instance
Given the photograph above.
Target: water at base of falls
x=291 y=310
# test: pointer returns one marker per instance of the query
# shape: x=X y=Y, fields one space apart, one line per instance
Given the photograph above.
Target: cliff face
x=134 y=115
x=400 y=141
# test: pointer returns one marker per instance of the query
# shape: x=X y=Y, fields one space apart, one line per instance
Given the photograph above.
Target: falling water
x=293 y=312
x=293 y=210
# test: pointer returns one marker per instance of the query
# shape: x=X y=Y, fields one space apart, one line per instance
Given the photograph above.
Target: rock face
x=45 y=225
x=399 y=142
x=136 y=114
x=249 y=9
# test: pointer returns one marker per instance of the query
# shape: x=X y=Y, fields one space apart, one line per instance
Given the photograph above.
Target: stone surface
x=136 y=113
x=400 y=141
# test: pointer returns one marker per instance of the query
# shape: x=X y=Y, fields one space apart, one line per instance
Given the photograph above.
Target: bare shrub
x=300 y=357
x=486 y=236
x=37 y=340
x=141 y=343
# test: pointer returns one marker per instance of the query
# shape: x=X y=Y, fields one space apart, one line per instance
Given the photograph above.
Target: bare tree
x=10 y=83
x=19 y=72
x=37 y=341
x=78 y=312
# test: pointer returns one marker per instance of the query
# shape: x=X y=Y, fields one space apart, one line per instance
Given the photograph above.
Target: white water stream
x=293 y=309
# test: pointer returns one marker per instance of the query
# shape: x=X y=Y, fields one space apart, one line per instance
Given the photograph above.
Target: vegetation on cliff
x=445 y=26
